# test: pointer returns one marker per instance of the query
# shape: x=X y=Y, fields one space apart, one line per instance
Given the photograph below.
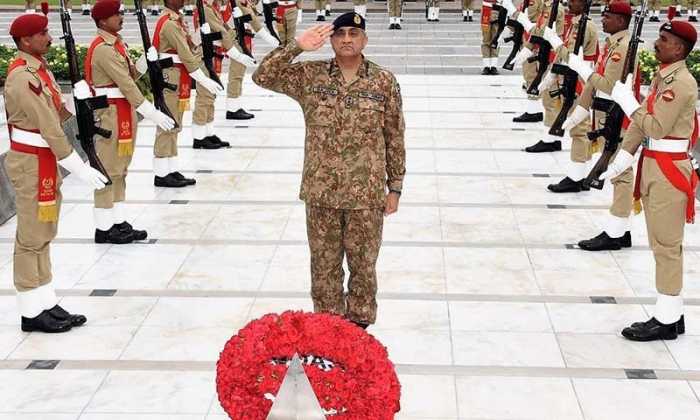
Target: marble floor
x=486 y=307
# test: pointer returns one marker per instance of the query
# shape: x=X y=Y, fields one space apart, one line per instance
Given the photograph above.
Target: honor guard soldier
x=654 y=10
x=665 y=125
x=533 y=111
x=692 y=10
x=581 y=147
x=289 y=15
x=171 y=39
x=489 y=29
x=395 y=11
x=608 y=70
x=321 y=9
x=354 y=154
x=35 y=110
x=110 y=72
x=467 y=11
x=433 y=10
x=86 y=7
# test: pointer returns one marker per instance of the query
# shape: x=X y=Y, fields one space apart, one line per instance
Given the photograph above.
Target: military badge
x=668 y=95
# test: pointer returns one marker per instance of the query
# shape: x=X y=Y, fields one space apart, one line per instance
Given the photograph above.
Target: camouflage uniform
x=354 y=150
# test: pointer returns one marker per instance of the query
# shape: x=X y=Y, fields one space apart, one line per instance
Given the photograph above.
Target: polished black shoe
x=189 y=12
x=328 y=13
x=680 y=325
x=526 y=117
x=217 y=140
x=169 y=181
x=604 y=242
x=321 y=18
x=113 y=236
x=46 y=323
x=181 y=177
x=692 y=19
x=494 y=71
x=650 y=331
x=542 y=147
x=86 y=13
x=76 y=320
x=362 y=325
x=471 y=18
x=392 y=26
x=205 y=143
x=397 y=26
x=654 y=19
x=486 y=71
x=139 y=235
x=465 y=19
x=567 y=185
x=239 y=115
x=154 y=13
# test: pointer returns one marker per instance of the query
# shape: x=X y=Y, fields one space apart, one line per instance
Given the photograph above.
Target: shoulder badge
x=36 y=89
x=616 y=56
x=668 y=95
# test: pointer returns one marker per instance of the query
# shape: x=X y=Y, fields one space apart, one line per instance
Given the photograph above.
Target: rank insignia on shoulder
x=36 y=89
x=325 y=90
x=373 y=96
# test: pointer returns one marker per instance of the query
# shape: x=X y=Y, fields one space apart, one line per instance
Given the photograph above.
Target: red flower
x=349 y=370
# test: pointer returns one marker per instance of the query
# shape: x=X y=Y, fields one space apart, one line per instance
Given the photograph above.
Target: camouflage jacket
x=354 y=146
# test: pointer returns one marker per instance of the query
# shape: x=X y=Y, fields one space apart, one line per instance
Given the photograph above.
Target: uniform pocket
x=371 y=118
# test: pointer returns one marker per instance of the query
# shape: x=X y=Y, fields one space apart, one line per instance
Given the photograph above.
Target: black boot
x=189 y=12
x=46 y=323
x=216 y=140
x=328 y=13
x=204 y=143
x=604 y=242
x=526 y=117
x=154 y=12
x=86 y=12
x=486 y=71
x=654 y=19
x=113 y=236
x=471 y=18
x=139 y=235
x=76 y=320
x=465 y=19
x=542 y=147
x=494 y=71
x=567 y=185
x=320 y=18
x=181 y=177
x=650 y=331
x=680 y=325
x=169 y=181
x=692 y=19
x=239 y=115
x=397 y=26
x=392 y=26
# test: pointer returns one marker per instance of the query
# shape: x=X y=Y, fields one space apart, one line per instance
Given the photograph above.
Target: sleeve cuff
x=395 y=185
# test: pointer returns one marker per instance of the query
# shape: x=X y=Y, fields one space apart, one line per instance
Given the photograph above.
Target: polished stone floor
x=486 y=307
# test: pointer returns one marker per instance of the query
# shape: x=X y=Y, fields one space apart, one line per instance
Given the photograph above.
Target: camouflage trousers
x=356 y=235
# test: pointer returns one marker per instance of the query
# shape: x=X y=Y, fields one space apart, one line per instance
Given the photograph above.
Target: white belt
x=112 y=93
x=175 y=57
x=487 y=4
x=603 y=95
x=28 y=138
x=665 y=145
x=286 y=3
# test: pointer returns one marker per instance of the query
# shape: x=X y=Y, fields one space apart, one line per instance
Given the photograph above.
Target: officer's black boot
x=46 y=323
x=651 y=330
x=113 y=236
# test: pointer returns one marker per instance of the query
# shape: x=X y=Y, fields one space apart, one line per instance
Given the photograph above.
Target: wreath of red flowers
x=349 y=370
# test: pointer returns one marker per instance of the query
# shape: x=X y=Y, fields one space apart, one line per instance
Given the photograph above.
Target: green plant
x=649 y=65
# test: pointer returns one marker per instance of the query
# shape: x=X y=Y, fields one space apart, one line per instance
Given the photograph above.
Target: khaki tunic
x=354 y=151
x=488 y=32
x=111 y=68
x=664 y=205
x=617 y=45
x=31 y=109
x=174 y=37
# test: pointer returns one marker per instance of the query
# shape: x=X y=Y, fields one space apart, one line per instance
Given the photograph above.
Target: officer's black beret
x=350 y=19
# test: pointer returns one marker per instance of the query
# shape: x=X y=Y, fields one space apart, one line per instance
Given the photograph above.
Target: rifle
x=208 y=51
x=568 y=88
x=269 y=13
x=516 y=37
x=614 y=115
x=542 y=57
x=502 y=19
x=239 y=21
x=155 y=68
x=84 y=108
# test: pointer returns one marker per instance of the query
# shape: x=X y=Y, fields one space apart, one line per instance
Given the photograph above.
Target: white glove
x=152 y=54
x=548 y=81
x=523 y=20
x=299 y=16
x=509 y=6
x=622 y=161
x=205 y=29
x=81 y=90
x=238 y=56
x=580 y=66
x=82 y=170
x=522 y=56
x=550 y=35
x=623 y=95
x=267 y=37
x=149 y=111
x=206 y=82
x=575 y=118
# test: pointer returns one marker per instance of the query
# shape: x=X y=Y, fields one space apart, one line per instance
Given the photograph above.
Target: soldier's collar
x=334 y=70
x=617 y=37
x=671 y=68
x=32 y=61
x=108 y=37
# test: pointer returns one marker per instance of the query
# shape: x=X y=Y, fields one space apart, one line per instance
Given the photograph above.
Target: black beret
x=350 y=19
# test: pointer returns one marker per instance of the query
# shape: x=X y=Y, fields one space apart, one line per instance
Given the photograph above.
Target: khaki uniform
x=354 y=151
x=674 y=95
x=613 y=57
x=287 y=27
x=109 y=68
x=581 y=149
x=467 y=5
x=29 y=106
x=535 y=9
x=489 y=29
x=395 y=8
x=174 y=39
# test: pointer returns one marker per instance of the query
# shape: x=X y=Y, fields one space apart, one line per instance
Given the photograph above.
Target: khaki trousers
x=31 y=261
x=108 y=152
x=552 y=106
x=236 y=71
x=287 y=29
x=357 y=235
x=394 y=8
x=488 y=33
x=467 y=5
x=203 y=106
x=166 y=141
